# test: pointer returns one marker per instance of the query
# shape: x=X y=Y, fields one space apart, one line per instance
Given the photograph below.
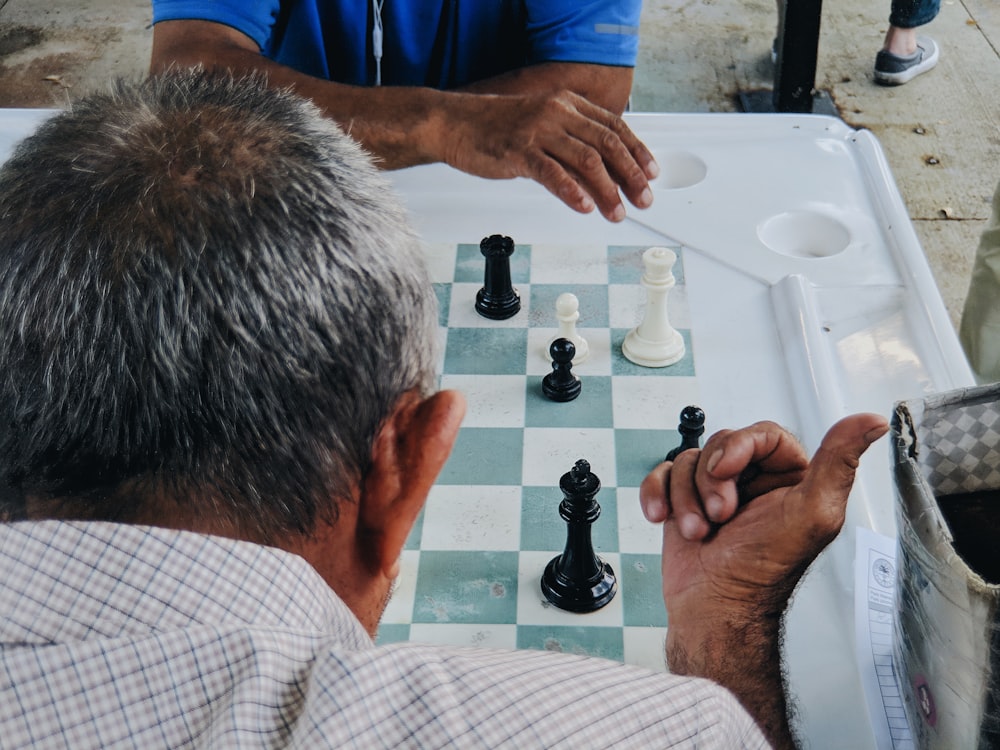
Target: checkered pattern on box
x=960 y=448
x=472 y=566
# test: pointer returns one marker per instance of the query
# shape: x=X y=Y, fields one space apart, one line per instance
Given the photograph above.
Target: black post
x=798 y=46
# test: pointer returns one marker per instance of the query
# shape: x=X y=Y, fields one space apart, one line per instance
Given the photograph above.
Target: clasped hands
x=745 y=516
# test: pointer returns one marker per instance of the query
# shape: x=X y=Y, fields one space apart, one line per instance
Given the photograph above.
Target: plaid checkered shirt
x=127 y=636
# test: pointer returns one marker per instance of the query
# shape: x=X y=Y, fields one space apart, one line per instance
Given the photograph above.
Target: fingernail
x=618 y=214
x=713 y=506
x=872 y=435
x=652 y=170
x=714 y=459
x=646 y=199
x=587 y=204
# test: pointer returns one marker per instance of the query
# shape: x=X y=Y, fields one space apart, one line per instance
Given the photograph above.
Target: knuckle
x=554 y=106
x=717 y=437
x=827 y=524
x=610 y=141
x=617 y=124
x=634 y=176
x=590 y=162
x=550 y=173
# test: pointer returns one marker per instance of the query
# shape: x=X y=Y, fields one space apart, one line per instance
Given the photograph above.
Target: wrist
x=716 y=646
x=399 y=126
x=708 y=622
x=430 y=123
x=451 y=132
x=742 y=655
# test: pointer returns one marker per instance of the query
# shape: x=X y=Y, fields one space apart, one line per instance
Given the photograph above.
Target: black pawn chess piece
x=561 y=384
x=578 y=580
x=691 y=428
x=498 y=299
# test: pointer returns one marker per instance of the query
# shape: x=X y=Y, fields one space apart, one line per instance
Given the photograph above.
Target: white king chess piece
x=567 y=313
x=654 y=342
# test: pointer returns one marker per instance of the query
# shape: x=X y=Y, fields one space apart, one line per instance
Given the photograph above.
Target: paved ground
x=941 y=132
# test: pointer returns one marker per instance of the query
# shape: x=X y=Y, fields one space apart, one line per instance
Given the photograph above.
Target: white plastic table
x=810 y=299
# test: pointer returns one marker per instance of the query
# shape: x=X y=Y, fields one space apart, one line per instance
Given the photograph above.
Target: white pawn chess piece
x=654 y=342
x=567 y=313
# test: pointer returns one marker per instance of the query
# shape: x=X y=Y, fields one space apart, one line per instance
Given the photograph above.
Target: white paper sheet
x=874 y=614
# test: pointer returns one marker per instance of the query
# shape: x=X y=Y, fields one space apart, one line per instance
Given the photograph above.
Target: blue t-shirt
x=437 y=43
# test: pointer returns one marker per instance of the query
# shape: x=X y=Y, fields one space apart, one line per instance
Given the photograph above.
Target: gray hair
x=206 y=291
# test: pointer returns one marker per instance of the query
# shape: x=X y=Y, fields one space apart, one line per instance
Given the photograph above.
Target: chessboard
x=471 y=569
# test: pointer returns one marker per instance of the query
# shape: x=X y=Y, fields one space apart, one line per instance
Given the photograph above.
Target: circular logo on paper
x=925 y=700
x=883 y=572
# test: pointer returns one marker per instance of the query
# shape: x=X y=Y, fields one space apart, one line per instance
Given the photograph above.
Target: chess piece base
x=555 y=391
x=579 y=596
x=648 y=353
x=497 y=308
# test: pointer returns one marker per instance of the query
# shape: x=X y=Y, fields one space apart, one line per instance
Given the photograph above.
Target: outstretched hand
x=514 y=125
x=742 y=520
x=580 y=152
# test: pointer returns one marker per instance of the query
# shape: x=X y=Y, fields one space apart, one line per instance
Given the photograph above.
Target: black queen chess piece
x=498 y=299
x=578 y=580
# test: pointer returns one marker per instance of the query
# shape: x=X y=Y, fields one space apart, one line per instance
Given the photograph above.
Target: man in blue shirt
x=500 y=89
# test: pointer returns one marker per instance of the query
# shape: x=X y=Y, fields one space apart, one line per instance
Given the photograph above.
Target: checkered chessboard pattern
x=472 y=566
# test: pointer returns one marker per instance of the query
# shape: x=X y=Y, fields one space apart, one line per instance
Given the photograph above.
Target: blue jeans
x=908 y=14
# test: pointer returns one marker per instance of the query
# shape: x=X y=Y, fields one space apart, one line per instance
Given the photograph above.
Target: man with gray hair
x=218 y=426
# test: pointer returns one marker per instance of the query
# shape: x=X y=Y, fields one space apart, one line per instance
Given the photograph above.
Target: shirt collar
x=68 y=580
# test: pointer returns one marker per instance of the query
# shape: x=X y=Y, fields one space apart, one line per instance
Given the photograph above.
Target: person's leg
x=904 y=18
x=904 y=55
x=980 y=327
x=899 y=41
x=909 y=14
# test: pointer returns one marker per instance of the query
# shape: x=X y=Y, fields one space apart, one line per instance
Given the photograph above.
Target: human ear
x=407 y=456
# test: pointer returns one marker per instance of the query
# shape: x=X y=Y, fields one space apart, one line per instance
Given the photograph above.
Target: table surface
x=808 y=298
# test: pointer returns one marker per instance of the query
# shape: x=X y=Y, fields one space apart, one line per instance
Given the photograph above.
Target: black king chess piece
x=578 y=580
x=498 y=299
x=691 y=428
x=561 y=384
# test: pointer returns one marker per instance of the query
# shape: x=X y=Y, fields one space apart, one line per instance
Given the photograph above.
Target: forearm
x=400 y=126
x=578 y=150
x=742 y=656
x=728 y=581
x=605 y=85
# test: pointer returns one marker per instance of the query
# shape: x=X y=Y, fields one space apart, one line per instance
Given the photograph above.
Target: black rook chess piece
x=561 y=384
x=691 y=428
x=578 y=580
x=498 y=299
